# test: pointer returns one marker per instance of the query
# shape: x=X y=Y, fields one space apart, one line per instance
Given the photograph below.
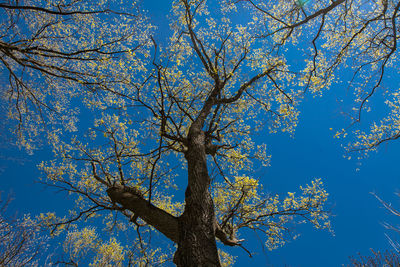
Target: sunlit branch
x=59 y=10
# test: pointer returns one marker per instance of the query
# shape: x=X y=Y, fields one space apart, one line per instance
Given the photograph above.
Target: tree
x=190 y=108
x=388 y=258
x=20 y=240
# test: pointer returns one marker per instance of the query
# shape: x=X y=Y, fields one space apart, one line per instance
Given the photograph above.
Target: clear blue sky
x=295 y=161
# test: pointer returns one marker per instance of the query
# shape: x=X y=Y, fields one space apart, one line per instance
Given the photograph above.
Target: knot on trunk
x=211 y=149
x=118 y=193
x=227 y=237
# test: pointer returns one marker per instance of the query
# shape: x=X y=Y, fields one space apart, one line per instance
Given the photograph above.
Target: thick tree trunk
x=197 y=245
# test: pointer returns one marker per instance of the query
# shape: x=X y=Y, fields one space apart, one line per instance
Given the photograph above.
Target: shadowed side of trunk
x=197 y=245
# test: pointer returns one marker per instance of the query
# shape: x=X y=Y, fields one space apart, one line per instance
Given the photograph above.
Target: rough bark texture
x=197 y=245
x=132 y=200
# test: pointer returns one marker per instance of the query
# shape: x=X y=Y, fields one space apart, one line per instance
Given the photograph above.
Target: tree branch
x=58 y=12
x=223 y=237
x=133 y=200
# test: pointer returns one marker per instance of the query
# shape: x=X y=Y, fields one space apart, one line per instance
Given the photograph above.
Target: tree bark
x=132 y=200
x=197 y=245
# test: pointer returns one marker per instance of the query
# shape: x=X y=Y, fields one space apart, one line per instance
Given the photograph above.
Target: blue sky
x=311 y=153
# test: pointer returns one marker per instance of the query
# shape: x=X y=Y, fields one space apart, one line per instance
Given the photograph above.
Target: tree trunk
x=197 y=245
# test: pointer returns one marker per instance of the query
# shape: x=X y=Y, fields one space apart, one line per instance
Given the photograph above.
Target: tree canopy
x=134 y=121
x=21 y=242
